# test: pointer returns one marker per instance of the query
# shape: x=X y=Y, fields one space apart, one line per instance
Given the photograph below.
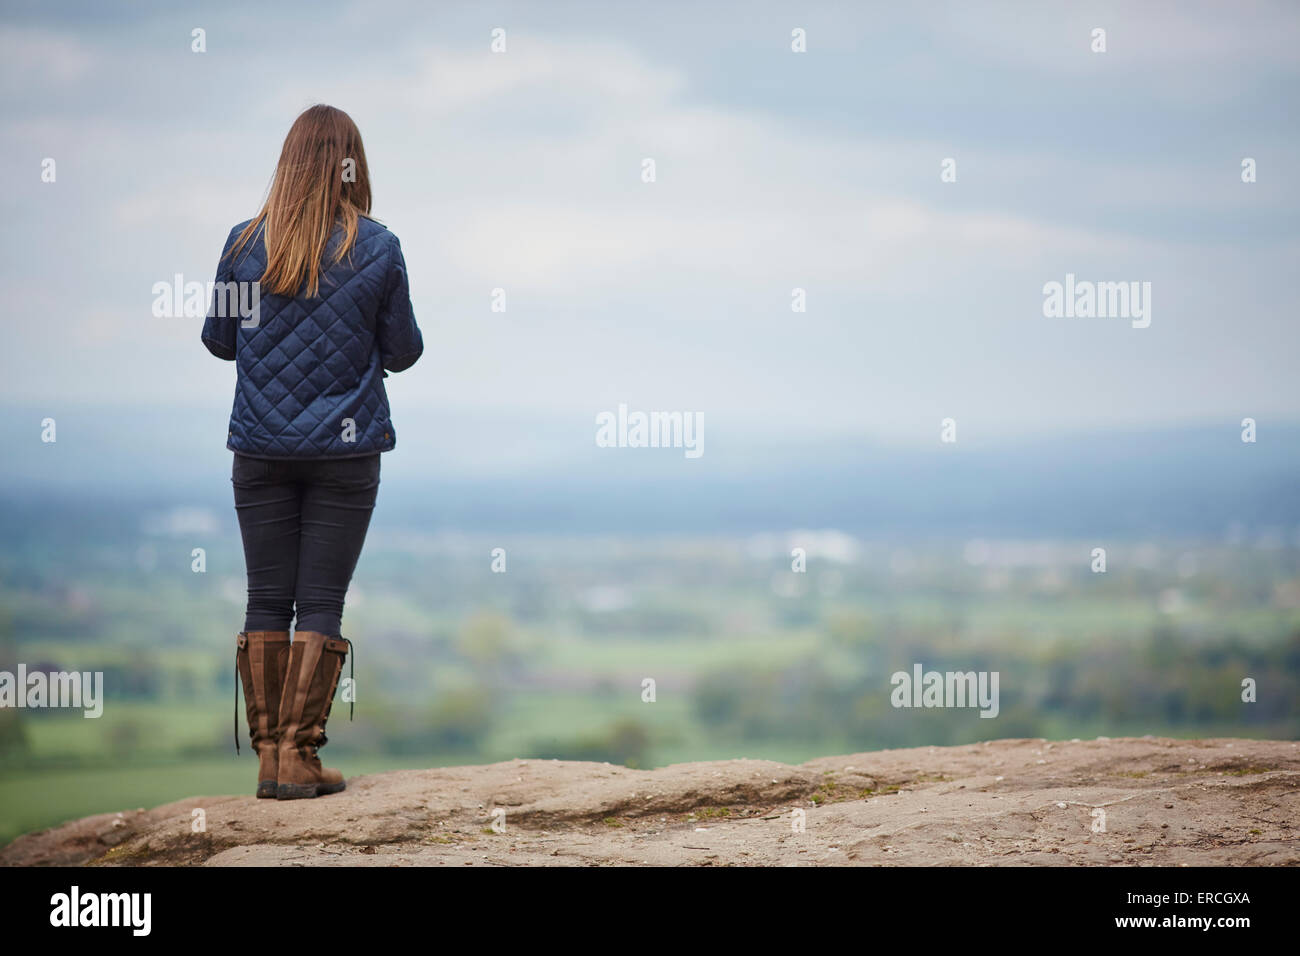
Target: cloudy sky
x=775 y=170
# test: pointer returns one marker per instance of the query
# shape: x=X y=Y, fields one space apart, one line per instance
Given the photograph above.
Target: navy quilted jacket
x=311 y=371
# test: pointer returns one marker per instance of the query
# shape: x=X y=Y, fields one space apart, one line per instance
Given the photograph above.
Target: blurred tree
x=487 y=641
x=850 y=627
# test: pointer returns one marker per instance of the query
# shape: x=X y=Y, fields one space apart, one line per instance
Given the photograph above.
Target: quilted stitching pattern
x=310 y=364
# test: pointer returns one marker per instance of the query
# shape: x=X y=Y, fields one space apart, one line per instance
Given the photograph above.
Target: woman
x=331 y=312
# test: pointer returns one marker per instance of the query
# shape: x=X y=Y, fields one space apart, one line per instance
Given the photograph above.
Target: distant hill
x=490 y=474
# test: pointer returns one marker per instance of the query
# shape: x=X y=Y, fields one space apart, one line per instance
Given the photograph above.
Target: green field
x=747 y=659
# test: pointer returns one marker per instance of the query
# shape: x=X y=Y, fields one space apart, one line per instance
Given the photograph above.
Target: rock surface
x=1022 y=802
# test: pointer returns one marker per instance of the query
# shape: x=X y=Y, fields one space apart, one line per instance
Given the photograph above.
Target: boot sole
x=307 y=791
x=266 y=789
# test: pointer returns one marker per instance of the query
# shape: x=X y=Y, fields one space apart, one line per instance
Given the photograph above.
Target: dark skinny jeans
x=303 y=524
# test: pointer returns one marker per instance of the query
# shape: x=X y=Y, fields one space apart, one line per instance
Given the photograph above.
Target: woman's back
x=311 y=369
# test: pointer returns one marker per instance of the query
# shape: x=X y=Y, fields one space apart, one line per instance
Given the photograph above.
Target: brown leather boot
x=260 y=658
x=315 y=662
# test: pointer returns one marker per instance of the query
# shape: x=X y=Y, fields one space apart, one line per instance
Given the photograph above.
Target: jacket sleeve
x=400 y=342
x=219 y=330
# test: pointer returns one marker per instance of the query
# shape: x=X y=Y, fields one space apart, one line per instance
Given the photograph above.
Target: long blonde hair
x=321 y=177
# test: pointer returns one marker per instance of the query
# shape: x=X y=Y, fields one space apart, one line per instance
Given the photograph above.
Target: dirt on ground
x=1149 y=801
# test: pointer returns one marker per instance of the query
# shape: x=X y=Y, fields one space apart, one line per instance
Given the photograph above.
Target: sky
x=775 y=170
